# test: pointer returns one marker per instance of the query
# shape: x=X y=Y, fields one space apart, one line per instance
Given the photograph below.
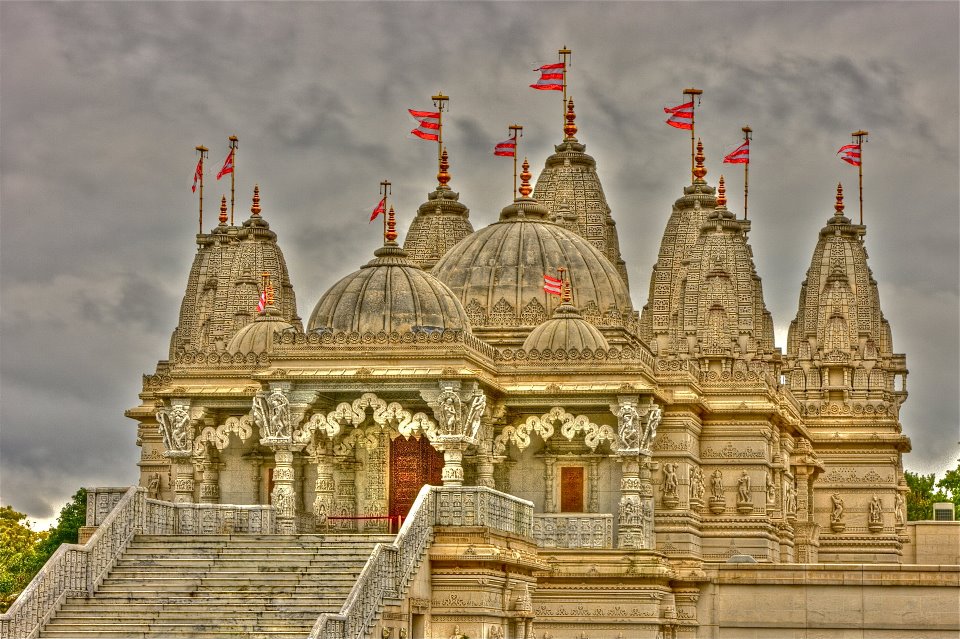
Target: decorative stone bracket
x=549 y=423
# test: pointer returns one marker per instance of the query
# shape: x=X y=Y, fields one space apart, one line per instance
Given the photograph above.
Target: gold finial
x=391 y=233
x=570 y=129
x=567 y=294
x=839 y=205
x=255 y=209
x=699 y=170
x=444 y=176
x=525 y=176
x=223 y=209
x=721 y=194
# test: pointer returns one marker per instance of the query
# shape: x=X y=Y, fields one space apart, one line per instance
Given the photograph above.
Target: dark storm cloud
x=101 y=105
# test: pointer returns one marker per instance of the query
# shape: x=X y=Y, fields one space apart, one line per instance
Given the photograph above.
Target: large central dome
x=498 y=271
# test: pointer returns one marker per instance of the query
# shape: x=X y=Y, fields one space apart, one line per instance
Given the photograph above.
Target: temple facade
x=677 y=469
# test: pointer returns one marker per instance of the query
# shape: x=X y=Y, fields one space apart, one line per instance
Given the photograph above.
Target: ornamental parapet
x=573 y=530
x=534 y=357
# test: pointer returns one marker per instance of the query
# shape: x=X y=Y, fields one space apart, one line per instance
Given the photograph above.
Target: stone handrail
x=391 y=566
x=74 y=569
x=573 y=530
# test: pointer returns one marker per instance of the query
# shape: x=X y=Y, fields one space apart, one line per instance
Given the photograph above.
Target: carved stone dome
x=565 y=330
x=497 y=272
x=389 y=294
x=257 y=336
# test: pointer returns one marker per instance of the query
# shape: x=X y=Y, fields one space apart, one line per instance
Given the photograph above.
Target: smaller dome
x=390 y=294
x=565 y=330
x=257 y=336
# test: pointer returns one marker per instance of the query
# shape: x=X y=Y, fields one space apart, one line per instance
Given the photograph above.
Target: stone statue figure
x=876 y=510
x=272 y=415
x=495 y=632
x=321 y=515
x=898 y=509
x=175 y=428
x=669 y=479
x=743 y=488
x=716 y=483
x=628 y=427
x=837 y=513
x=696 y=483
x=472 y=422
x=457 y=634
x=771 y=490
x=153 y=488
x=654 y=415
x=790 y=503
x=448 y=410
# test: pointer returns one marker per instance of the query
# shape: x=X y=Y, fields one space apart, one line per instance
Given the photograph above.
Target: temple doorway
x=413 y=463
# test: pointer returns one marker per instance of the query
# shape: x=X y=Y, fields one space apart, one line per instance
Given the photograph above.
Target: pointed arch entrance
x=413 y=463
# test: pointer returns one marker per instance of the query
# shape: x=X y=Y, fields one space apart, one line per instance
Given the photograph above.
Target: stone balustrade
x=573 y=530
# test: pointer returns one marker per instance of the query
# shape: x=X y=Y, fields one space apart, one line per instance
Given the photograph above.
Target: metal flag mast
x=516 y=131
x=440 y=101
x=860 y=136
x=693 y=113
x=234 y=144
x=747 y=136
x=566 y=56
x=385 y=191
x=203 y=151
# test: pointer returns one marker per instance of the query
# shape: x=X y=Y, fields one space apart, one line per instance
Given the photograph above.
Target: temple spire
x=721 y=194
x=443 y=176
x=223 y=209
x=570 y=128
x=391 y=235
x=839 y=205
x=525 y=176
x=699 y=171
x=255 y=209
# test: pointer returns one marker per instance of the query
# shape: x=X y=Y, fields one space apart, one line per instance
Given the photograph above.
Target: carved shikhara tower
x=446 y=361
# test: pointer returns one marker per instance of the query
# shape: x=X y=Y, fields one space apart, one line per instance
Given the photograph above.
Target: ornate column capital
x=177 y=429
x=636 y=425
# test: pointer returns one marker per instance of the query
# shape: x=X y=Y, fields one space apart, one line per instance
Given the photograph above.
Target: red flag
x=552 y=285
x=227 y=165
x=262 y=303
x=681 y=116
x=197 y=174
x=507 y=148
x=381 y=208
x=551 y=77
x=851 y=154
x=429 y=128
x=740 y=155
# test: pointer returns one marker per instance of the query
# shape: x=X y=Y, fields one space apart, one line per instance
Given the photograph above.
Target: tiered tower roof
x=840 y=343
x=569 y=187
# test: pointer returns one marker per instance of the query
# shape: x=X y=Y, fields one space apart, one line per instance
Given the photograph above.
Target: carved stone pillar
x=636 y=431
x=806 y=467
x=284 y=495
x=256 y=462
x=458 y=423
x=323 y=501
x=485 y=455
x=271 y=414
x=593 y=505
x=347 y=492
x=209 y=478
x=550 y=481
x=183 y=485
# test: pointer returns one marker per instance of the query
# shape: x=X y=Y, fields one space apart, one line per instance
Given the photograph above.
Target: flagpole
x=747 y=136
x=517 y=131
x=860 y=134
x=439 y=101
x=693 y=125
x=564 y=54
x=234 y=144
x=385 y=191
x=202 y=150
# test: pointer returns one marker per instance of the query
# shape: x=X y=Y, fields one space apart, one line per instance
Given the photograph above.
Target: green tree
x=951 y=484
x=24 y=551
x=18 y=554
x=922 y=496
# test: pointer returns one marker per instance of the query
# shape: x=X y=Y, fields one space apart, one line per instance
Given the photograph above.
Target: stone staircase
x=213 y=586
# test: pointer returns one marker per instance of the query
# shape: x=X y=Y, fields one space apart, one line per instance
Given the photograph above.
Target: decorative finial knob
x=391 y=233
x=223 y=209
x=839 y=205
x=443 y=176
x=699 y=171
x=721 y=194
x=570 y=129
x=567 y=294
x=255 y=209
x=525 y=176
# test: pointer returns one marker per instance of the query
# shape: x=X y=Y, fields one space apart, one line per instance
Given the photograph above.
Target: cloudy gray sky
x=101 y=105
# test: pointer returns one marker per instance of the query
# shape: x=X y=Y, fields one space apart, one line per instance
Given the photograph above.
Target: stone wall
x=932 y=542
x=830 y=602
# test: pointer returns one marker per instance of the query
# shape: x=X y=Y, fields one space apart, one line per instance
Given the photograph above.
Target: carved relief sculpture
x=790 y=501
x=898 y=508
x=875 y=517
x=744 y=498
x=836 y=515
x=697 y=488
x=771 y=490
x=271 y=414
x=654 y=415
x=175 y=429
x=669 y=497
x=717 y=502
x=628 y=428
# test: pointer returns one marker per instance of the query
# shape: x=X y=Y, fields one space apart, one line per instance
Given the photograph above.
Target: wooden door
x=413 y=463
